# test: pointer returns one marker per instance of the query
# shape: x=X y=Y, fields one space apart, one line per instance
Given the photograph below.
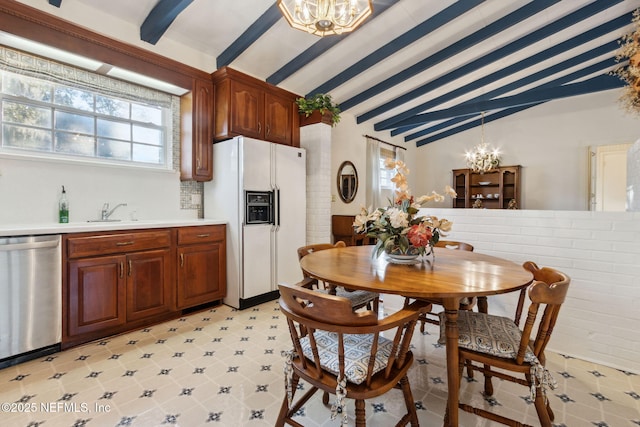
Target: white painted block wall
x=316 y=139
x=600 y=251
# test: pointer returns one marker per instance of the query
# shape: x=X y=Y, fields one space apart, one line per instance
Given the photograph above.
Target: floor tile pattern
x=223 y=367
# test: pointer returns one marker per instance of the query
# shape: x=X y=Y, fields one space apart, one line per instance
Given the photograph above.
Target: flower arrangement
x=630 y=73
x=396 y=227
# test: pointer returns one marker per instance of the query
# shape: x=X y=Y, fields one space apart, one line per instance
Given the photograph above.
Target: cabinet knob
x=181 y=260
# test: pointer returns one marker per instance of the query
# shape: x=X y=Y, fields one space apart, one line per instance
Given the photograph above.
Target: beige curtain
x=372 y=193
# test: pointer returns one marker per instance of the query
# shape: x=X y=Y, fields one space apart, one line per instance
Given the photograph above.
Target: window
x=386 y=174
x=55 y=110
x=41 y=116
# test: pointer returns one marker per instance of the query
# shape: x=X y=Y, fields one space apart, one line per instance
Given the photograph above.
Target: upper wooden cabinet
x=497 y=189
x=247 y=106
x=196 y=109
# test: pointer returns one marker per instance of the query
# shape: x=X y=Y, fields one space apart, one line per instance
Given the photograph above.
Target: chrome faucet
x=106 y=213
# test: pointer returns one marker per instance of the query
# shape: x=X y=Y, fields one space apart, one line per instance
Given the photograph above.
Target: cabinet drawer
x=102 y=244
x=200 y=234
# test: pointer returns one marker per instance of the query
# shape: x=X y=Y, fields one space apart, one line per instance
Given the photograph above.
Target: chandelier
x=482 y=158
x=325 y=17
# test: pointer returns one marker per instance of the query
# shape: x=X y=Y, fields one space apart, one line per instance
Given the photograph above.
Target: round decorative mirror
x=347 y=181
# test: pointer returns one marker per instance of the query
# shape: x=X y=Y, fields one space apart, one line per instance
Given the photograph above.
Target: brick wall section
x=600 y=251
x=316 y=139
x=633 y=177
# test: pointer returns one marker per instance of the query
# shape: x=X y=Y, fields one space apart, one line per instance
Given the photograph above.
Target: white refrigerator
x=262 y=254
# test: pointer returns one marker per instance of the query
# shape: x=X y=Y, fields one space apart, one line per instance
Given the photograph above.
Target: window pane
x=118 y=150
x=74 y=98
x=116 y=130
x=14 y=112
x=74 y=122
x=71 y=143
x=40 y=116
x=147 y=135
x=27 y=138
x=112 y=107
x=39 y=90
x=146 y=114
x=148 y=154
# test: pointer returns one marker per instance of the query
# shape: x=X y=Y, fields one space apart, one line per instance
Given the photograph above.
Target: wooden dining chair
x=465 y=303
x=451 y=244
x=487 y=342
x=358 y=298
x=343 y=353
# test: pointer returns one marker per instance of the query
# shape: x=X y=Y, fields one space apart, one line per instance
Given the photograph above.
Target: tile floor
x=223 y=367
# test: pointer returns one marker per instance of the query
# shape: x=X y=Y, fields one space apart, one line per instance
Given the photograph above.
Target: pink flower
x=419 y=235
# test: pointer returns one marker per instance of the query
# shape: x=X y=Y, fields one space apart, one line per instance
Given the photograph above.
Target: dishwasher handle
x=29 y=245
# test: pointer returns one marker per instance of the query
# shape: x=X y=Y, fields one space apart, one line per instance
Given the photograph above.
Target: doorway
x=608 y=177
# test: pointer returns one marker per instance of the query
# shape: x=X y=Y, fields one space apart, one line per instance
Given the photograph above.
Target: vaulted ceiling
x=419 y=69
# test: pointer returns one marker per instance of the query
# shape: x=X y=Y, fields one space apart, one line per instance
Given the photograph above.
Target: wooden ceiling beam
x=160 y=18
x=30 y=23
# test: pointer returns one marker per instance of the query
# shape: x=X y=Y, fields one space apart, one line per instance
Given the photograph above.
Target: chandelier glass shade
x=325 y=17
x=482 y=158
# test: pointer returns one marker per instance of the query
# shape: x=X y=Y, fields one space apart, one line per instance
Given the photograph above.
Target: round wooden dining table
x=451 y=276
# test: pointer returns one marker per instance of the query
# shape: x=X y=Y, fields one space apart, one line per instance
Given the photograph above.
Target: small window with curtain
x=386 y=174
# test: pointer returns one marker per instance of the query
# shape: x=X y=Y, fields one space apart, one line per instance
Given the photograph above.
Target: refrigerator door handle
x=274 y=209
x=278 y=208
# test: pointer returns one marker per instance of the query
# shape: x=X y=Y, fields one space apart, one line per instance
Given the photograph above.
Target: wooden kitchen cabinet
x=201 y=265
x=247 y=106
x=278 y=119
x=494 y=190
x=115 y=282
x=97 y=295
x=149 y=285
x=245 y=110
x=196 y=108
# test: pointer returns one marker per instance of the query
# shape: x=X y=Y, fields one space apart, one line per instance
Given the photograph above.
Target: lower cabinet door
x=201 y=274
x=149 y=282
x=97 y=297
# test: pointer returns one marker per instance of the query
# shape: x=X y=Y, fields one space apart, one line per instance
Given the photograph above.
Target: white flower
x=360 y=222
x=449 y=191
x=397 y=218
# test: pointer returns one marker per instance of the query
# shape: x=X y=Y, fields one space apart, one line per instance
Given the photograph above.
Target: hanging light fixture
x=325 y=17
x=482 y=158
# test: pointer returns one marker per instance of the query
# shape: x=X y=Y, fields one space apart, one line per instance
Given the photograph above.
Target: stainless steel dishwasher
x=30 y=297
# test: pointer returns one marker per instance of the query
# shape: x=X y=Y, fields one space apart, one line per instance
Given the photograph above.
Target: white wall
x=550 y=141
x=600 y=251
x=29 y=191
x=348 y=143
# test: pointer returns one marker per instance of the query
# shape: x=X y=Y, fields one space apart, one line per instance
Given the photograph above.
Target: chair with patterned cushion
x=465 y=303
x=344 y=353
x=358 y=298
x=495 y=346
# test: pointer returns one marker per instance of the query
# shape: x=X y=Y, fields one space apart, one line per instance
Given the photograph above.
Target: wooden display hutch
x=494 y=190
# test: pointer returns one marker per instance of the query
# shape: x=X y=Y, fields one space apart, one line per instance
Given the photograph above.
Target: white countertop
x=81 y=227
